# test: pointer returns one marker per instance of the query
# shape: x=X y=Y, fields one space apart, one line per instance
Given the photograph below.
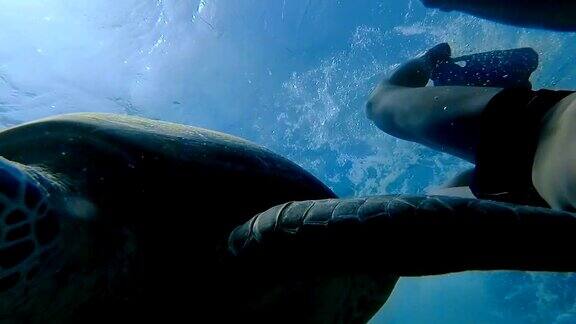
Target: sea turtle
x=116 y=218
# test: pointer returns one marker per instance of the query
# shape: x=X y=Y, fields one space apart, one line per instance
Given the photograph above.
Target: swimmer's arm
x=552 y=14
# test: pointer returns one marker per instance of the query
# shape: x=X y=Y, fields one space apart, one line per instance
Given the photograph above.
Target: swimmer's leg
x=554 y=168
x=417 y=72
x=443 y=118
x=458 y=186
x=462 y=179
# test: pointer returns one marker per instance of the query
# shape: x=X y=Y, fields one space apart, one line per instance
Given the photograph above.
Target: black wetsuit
x=510 y=126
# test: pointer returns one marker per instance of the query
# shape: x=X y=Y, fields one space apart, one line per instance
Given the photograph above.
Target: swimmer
x=521 y=141
x=557 y=15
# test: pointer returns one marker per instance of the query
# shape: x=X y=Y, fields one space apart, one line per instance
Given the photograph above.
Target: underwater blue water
x=292 y=75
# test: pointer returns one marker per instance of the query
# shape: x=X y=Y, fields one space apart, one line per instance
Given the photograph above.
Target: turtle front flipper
x=375 y=240
x=409 y=236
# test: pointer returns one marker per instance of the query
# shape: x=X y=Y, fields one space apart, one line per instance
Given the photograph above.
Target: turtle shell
x=150 y=206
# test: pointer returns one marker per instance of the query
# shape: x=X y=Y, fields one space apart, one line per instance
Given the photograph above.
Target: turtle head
x=29 y=236
x=47 y=260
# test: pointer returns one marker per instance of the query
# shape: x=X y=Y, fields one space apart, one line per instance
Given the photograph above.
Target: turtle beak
x=408 y=236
